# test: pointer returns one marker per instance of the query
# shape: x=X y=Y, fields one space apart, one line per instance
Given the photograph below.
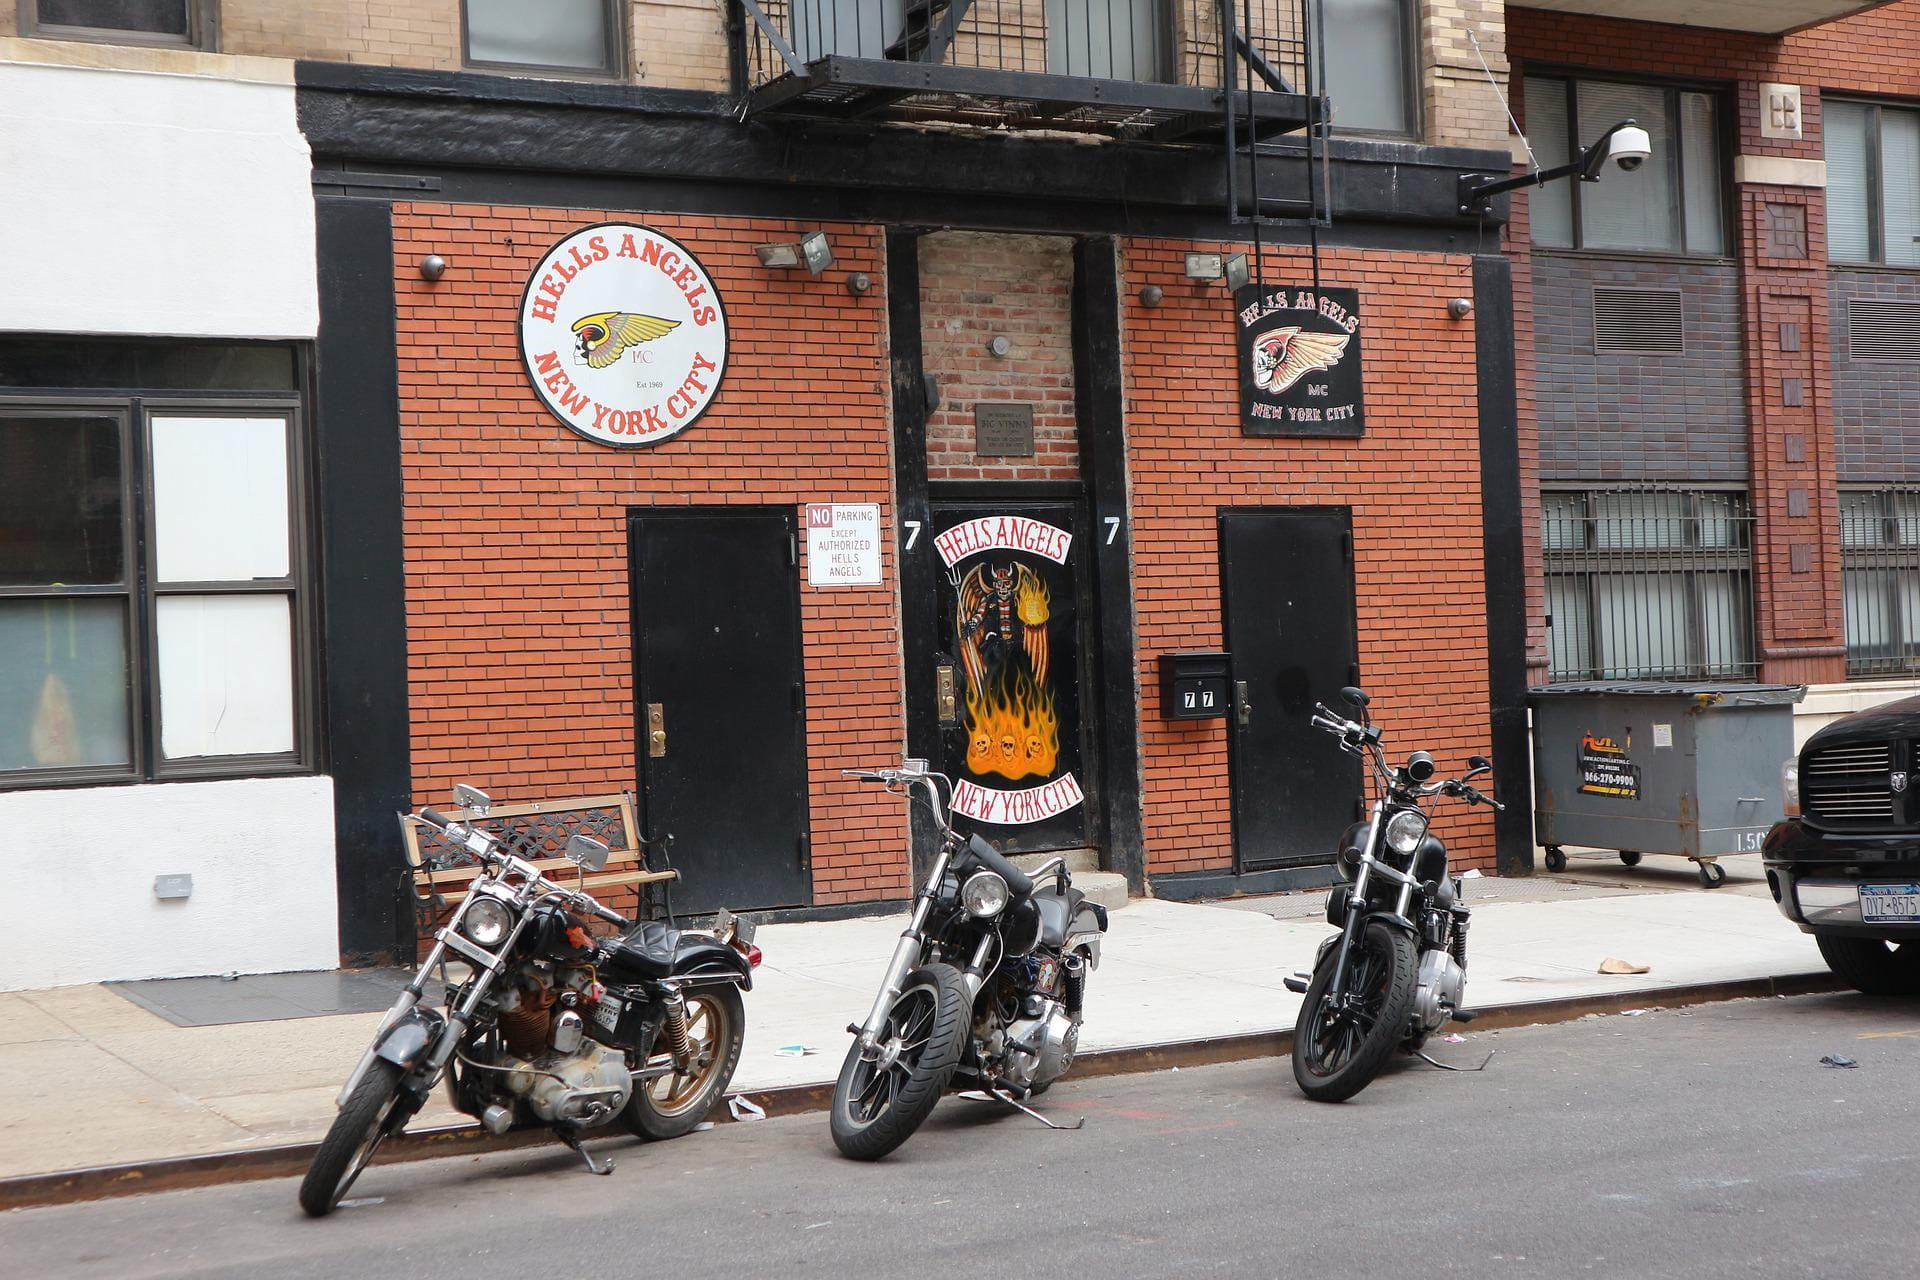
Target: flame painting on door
x=1012 y=636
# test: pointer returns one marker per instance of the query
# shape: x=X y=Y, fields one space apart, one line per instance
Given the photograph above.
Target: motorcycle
x=545 y=1024
x=985 y=987
x=1397 y=970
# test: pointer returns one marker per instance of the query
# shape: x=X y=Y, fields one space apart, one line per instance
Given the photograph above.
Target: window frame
x=1876 y=181
x=142 y=592
x=1412 y=58
x=614 y=25
x=1691 y=559
x=203 y=29
x=1725 y=142
x=1894 y=559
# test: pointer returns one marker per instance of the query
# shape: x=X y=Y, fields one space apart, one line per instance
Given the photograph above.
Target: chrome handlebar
x=486 y=846
x=1356 y=738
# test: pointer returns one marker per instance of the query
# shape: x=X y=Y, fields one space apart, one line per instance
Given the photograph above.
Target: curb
x=173 y=1173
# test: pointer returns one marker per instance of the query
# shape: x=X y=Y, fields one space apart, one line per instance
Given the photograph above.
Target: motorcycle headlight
x=984 y=894
x=1405 y=830
x=487 y=922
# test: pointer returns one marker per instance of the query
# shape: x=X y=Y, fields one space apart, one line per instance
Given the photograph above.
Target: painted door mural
x=1010 y=612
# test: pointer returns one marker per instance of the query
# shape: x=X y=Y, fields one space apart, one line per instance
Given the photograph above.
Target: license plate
x=607 y=1012
x=1897 y=903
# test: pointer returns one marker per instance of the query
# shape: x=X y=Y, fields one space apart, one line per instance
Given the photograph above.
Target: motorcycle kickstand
x=572 y=1140
x=1447 y=1066
x=998 y=1095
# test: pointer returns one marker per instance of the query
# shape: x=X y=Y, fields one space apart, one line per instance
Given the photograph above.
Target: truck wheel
x=1872 y=966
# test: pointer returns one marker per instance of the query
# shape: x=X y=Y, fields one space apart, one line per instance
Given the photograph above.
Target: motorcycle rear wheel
x=351 y=1141
x=671 y=1105
x=1336 y=1056
x=878 y=1102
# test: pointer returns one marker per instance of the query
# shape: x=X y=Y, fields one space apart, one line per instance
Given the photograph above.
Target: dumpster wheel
x=1712 y=874
x=1630 y=857
x=1556 y=858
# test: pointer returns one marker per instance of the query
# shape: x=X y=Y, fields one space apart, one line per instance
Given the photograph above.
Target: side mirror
x=472 y=798
x=589 y=854
x=1477 y=765
x=1356 y=697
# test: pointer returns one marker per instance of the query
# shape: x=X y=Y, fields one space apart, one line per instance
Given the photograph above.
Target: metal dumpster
x=1687 y=769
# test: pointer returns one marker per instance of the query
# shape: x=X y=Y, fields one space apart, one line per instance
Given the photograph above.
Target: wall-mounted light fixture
x=998 y=346
x=1459 y=308
x=858 y=283
x=432 y=267
x=1151 y=294
x=810 y=251
x=1231 y=267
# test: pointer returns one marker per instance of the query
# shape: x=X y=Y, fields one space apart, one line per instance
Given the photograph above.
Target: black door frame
x=787 y=514
x=1275 y=878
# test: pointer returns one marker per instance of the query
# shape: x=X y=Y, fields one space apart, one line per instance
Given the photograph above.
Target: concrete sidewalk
x=97 y=1080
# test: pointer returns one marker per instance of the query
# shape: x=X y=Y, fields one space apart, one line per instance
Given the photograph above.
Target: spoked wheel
x=670 y=1105
x=1337 y=1051
x=356 y=1133
x=882 y=1097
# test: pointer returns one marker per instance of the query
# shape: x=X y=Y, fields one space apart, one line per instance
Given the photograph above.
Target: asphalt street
x=1703 y=1143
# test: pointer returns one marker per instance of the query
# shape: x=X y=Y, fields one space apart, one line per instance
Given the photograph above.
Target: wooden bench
x=538 y=832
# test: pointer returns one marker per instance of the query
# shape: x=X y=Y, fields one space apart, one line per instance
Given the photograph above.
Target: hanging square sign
x=1299 y=361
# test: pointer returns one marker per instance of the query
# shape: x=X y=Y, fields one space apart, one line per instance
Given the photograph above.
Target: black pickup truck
x=1845 y=864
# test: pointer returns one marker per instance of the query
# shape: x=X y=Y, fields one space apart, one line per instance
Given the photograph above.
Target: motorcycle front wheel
x=880 y=1100
x=1338 y=1052
x=671 y=1105
x=351 y=1141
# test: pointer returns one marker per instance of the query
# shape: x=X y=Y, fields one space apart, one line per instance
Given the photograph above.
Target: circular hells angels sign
x=623 y=334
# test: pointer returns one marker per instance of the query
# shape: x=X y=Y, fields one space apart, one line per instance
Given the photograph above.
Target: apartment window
x=1110 y=39
x=1674 y=203
x=153 y=612
x=1371 y=65
x=571 y=37
x=182 y=22
x=1880 y=566
x=1648 y=583
x=1873 y=183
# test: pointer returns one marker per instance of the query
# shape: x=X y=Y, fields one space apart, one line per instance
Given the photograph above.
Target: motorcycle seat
x=1056 y=913
x=647 y=950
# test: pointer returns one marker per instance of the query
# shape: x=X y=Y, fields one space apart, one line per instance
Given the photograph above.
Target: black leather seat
x=645 y=951
x=1056 y=912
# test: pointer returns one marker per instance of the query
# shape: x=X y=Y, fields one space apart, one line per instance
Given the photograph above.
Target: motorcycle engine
x=1442 y=982
x=1041 y=1043
x=578 y=1083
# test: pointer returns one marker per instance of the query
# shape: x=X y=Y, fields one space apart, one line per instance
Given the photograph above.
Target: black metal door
x=1288 y=584
x=1011 y=670
x=718 y=689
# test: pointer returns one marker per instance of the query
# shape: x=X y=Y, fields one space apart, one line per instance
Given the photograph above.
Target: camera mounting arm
x=1626 y=143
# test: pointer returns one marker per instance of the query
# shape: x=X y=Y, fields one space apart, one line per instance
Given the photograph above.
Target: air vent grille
x=1641 y=322
x=1883 y=329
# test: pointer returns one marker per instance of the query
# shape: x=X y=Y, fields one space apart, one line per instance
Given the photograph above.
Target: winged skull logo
x=1284 y=356
x=605 y=337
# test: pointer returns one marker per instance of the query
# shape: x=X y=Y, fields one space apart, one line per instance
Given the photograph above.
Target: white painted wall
x=1826 y=703
x=78 y=902
x=154 y=203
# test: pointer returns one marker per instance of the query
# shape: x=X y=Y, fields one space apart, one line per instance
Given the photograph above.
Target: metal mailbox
x=1686 y=769
x=1194 y=685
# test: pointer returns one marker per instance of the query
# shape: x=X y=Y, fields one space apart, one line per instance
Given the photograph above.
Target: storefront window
x=152 y=610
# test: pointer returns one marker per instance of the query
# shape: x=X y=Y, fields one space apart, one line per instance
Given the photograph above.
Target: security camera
x=1630 y=148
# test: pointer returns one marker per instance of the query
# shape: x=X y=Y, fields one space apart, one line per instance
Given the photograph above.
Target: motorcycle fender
x=703 y=957
x=408 y=1040
x=1393 y=918
x=1087 y=942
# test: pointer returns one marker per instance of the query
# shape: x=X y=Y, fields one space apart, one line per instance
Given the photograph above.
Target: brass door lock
x=943 y=684
x=656 y=730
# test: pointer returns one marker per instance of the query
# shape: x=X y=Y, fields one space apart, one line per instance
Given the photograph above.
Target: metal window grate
x=1644 y=322
x=1883 y=329
x=1649 y=582
x=1880 y=575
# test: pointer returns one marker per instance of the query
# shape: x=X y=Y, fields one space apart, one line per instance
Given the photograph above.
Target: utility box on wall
x=1194 y=686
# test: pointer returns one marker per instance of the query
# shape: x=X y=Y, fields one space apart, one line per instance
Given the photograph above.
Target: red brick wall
x=506 y=507
x=974 y=286
x=1413 y=482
